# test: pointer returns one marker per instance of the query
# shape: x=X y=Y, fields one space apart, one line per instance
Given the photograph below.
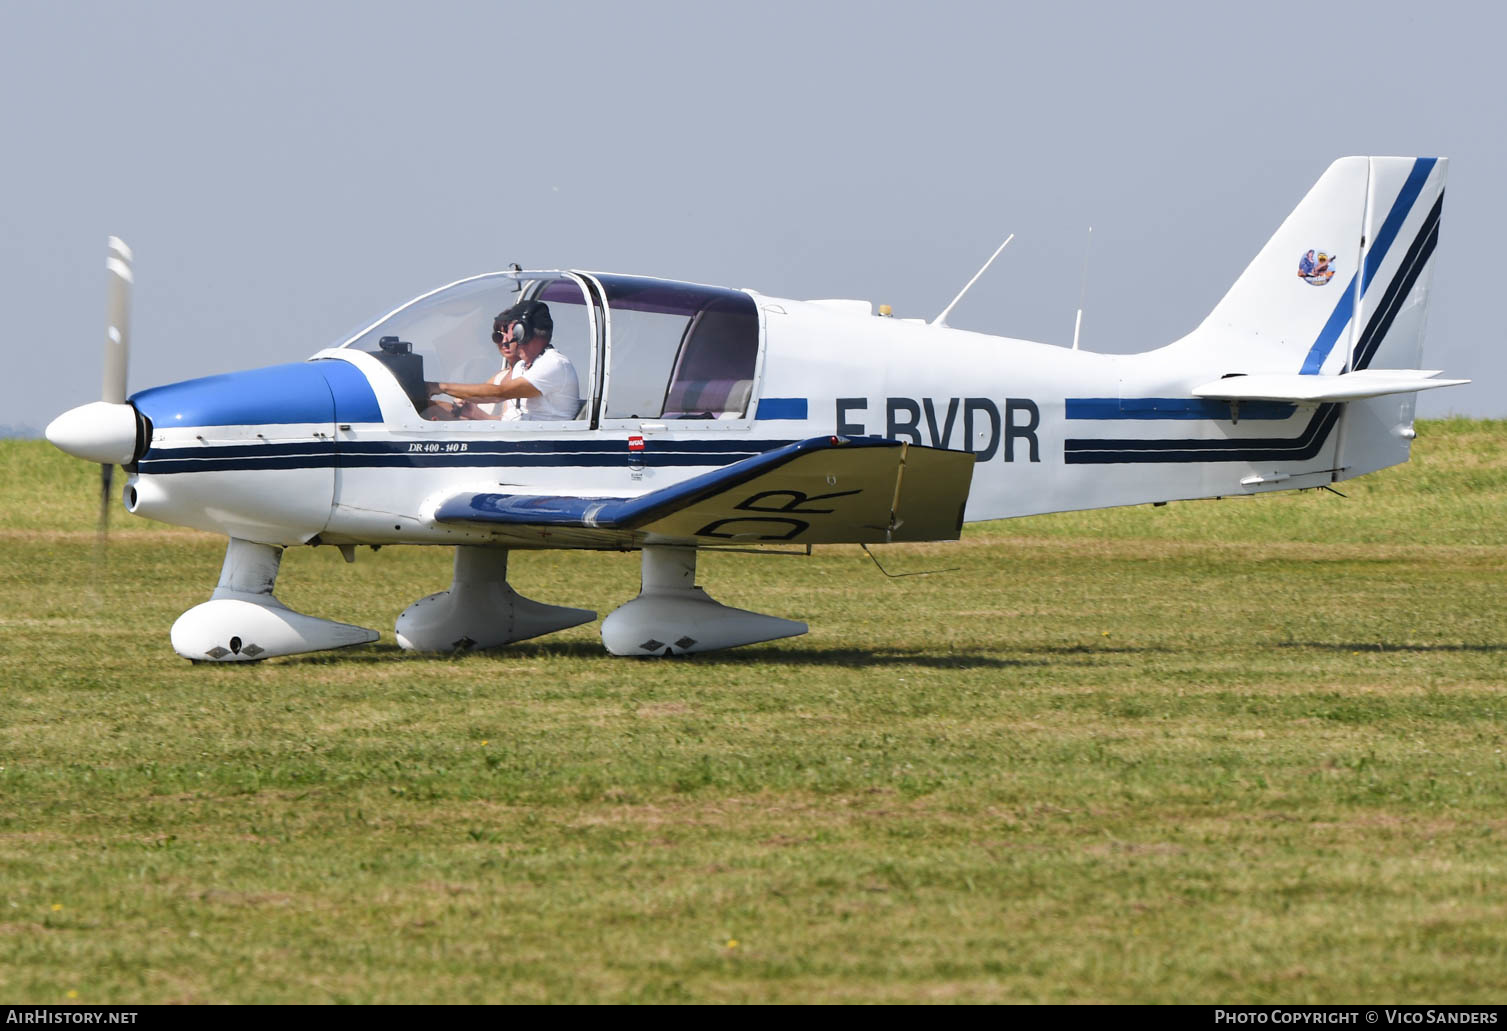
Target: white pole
x=1082 y=288
x=941 y=320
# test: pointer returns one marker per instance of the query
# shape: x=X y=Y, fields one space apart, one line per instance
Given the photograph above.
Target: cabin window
x=678 y=351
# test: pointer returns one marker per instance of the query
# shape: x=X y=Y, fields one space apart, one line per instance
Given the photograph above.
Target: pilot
x=540 y=383
x=507 y=348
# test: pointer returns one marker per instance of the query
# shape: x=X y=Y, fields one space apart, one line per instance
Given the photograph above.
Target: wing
x=825 y=490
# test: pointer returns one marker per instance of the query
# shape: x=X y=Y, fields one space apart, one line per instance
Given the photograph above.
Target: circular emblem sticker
x=1315 y=268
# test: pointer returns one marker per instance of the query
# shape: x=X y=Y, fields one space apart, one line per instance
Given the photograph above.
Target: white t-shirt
x=554 y=377
x=501 y=409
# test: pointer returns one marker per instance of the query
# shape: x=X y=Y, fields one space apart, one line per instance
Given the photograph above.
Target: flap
x=825 y=490
x=1350 y=386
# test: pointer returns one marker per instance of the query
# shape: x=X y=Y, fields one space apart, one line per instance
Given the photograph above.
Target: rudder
x=1403 y=209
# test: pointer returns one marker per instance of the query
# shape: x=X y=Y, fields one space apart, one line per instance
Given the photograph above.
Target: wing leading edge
x=825 y=490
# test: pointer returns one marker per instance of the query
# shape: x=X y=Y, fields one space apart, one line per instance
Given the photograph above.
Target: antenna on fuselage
x=941 y=320
x=1082 y=288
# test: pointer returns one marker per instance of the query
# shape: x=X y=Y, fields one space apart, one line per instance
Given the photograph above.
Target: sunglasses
x=499 y=336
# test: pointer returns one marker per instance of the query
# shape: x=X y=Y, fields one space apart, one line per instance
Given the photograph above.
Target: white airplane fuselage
x=370 y=473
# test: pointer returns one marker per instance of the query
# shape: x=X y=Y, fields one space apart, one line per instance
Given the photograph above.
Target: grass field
x=1249 y=750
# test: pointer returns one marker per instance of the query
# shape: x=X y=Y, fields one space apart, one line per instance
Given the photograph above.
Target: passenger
x=541 y=383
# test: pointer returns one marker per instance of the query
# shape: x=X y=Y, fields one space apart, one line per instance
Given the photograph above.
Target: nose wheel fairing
x=244 y=622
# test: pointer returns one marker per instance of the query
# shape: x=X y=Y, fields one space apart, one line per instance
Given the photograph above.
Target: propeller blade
x=117 y=322
x=106 y=476
x=117 y=354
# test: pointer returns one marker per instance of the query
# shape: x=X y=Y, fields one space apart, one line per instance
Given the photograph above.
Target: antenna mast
x=941 y=320
x=1082 y=288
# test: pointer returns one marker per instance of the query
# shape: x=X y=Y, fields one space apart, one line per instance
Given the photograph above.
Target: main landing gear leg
x=672 y=616
x=480 y=610
x=243 y=622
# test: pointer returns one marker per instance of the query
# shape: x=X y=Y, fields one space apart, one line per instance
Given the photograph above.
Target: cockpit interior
x=642 y=349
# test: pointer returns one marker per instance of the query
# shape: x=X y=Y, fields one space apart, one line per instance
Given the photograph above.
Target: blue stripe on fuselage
x=781 y=408
x=1172 y=408
x=1222 y=449
x=449 y=453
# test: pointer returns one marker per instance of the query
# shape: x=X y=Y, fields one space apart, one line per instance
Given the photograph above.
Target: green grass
x=1240 y=751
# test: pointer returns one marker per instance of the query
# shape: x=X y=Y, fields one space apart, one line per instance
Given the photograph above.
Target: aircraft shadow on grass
x=1384 y=646
x=855 y=658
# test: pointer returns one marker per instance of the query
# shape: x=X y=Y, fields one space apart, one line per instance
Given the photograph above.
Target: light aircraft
x=717 y=418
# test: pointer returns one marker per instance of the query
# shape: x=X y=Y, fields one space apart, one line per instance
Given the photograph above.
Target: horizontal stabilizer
x=1349 y=386
x=825 y=490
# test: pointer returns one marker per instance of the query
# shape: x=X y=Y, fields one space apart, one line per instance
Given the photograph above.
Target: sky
x=285 y=171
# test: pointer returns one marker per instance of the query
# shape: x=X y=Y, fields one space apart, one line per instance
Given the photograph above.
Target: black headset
x=523 y=322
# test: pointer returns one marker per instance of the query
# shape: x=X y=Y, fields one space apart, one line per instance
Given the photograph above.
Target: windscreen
x=451 y=328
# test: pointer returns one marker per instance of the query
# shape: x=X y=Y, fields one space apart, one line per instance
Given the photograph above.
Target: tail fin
x=1342 y=283
x=1340 y=288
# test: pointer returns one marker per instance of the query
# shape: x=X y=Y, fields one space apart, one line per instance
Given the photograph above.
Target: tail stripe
x=1338 y=320
x=1249 y=449
x=1389 y=229
x=1406 y=198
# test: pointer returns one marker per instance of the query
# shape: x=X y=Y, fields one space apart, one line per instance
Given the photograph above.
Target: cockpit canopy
x=641 y=348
